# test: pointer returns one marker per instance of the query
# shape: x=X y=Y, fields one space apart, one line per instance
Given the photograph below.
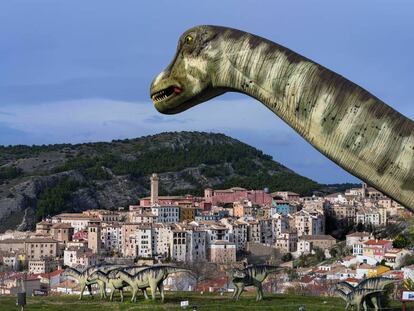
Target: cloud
x=163 y=119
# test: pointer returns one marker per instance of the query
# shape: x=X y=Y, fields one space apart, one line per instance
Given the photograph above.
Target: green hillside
x=36 y=181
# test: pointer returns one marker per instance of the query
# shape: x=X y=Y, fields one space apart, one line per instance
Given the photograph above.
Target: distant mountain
x=45 y=180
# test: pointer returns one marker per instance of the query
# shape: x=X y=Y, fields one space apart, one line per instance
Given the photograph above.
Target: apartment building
x=287 y=241
x=39 y=248
x=309 y=223
x=166 y=214
x=222 y=252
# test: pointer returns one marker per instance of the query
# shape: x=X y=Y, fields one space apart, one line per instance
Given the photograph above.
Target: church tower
x=94 y=238
x=154 y=189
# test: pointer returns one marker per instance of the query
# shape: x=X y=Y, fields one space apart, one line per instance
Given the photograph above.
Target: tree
x=407 y=260
x=287 y=257
x=401 y=241
x=360 y=227
x=333 y=252
x=319 y=254
x=275 y=257
x=292 y=275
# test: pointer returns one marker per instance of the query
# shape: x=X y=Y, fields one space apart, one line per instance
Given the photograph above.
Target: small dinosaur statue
x=252 y=275
x=152 y=277
x=369 y=283
x=356 y=297
x=85 y=281
x=114 y=283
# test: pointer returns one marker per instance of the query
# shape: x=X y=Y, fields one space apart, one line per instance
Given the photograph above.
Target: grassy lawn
x=208 y=301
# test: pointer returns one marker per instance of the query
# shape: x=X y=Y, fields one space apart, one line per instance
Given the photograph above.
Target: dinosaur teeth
x=165 y=93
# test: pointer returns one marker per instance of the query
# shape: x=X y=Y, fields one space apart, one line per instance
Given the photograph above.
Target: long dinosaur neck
x=343 y=121
x=73 y=273
x=341 y=294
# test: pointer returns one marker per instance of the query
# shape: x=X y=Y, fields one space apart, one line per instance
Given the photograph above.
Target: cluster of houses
x=220 y=228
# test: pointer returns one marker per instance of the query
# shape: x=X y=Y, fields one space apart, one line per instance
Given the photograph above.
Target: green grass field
x=172 y=302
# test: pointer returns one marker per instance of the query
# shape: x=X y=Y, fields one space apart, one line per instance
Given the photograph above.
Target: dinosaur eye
x=189 y=39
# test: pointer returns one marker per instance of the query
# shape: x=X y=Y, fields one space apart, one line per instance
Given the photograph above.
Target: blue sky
x=77 y=71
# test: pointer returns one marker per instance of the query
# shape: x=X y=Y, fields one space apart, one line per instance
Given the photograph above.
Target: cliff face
x=34 y=180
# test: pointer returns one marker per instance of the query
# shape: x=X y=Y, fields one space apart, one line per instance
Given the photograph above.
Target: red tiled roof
x=307 y=279
x=56 y=272
x=33 y=277
x=377 y=242
x=364 y=266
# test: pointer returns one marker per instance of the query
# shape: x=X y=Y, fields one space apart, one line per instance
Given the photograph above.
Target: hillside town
x=319 y=240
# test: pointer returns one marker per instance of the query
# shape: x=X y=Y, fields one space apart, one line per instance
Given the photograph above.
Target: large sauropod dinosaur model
x=374 y=283
x=356 y=297
x=151 y=277
x=252 y=275
x=346 y=123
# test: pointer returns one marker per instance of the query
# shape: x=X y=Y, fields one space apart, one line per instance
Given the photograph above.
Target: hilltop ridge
x=36 y=181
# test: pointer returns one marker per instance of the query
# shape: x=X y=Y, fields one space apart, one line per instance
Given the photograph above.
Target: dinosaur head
x=237 y=274
x=188 y=80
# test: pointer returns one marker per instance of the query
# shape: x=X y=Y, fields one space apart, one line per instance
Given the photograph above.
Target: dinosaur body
x=85 y=280
x=253 y=275
x=150 y=277
x=114 y=283
x=374 y=283
x=356 y=297
x=343 y=121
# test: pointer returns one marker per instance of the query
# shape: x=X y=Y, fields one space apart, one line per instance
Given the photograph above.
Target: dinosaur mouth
x=166 y=93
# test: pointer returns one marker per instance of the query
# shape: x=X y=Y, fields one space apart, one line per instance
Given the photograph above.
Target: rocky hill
x=45 y=180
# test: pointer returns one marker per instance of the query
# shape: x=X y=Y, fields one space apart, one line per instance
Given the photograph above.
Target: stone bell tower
x=154 y=189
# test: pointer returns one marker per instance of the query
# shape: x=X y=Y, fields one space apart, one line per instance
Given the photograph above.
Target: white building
x=162 y=235
x=144 y=241
x=372 y=216
x=196 y=246
x=280 y=223
x=111 y=235
x=78 y=221
x=42 y=266
x=237 y=231
x=217 y=233
x=266 y=231
x=287 y=241
x=179 y=245
x=309 y=223
x=166 y=214
x=356 y=237
x=253 y=231
x=79 y=257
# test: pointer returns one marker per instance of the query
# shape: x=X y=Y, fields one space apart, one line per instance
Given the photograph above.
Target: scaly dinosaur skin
x=253 y=275
x=346 y=123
